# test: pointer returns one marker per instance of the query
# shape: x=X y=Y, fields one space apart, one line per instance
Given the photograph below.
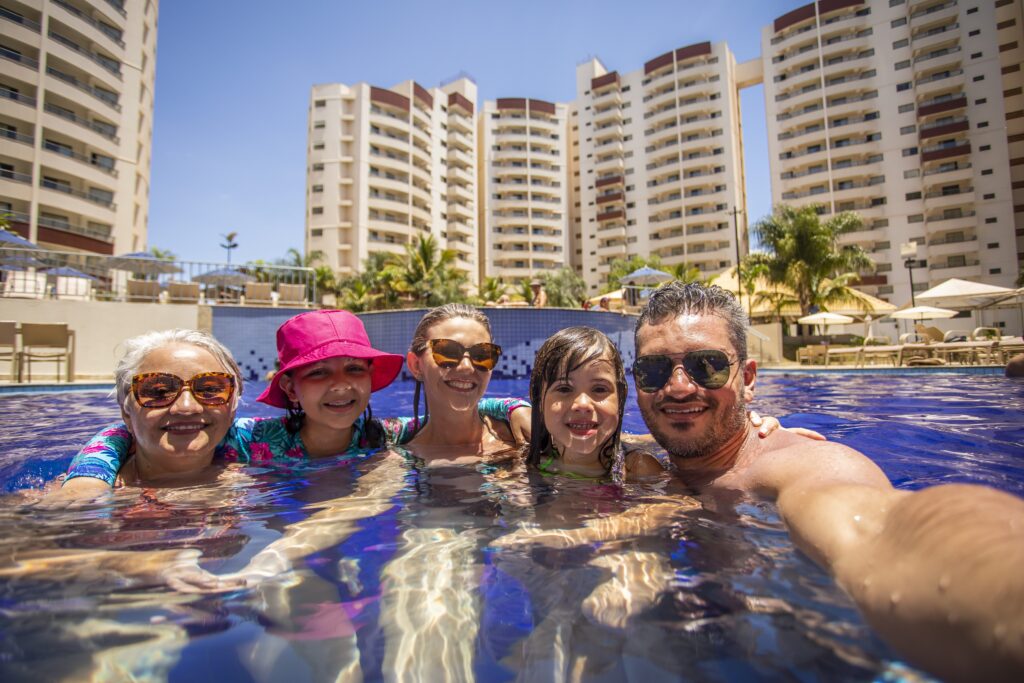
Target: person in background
x=540 y=297
x=1015 y=367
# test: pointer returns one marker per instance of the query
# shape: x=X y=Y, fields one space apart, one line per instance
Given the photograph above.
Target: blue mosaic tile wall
x=250 y=333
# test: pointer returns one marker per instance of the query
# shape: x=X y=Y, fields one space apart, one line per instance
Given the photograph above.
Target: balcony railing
x=15 y=56
x=19 y=19
x=86 y=123
x=111 y=65
x=109 y=31
x=110 y=99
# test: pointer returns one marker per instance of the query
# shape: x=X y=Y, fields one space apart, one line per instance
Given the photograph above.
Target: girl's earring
x=295 y=417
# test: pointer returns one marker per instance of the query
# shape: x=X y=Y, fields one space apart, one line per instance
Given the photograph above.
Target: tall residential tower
x=76 y=120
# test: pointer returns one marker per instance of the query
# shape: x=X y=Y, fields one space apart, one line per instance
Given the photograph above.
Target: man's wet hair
x=676 y=298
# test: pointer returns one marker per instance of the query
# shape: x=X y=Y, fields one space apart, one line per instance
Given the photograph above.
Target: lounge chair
x=143 y=290
x=812 y=354
x=879 y=348
x=291 y=295
x=835 y=354
x=932 y=335
x=258 y=294
x=183 y=292
x=8 y=345
x=46 y=342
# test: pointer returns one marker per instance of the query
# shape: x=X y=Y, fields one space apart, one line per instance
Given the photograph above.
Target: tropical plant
x=803 y=253
x=229 y=243
x=425 y=274
x=523 y=291
x=491 y=289
x=565 y=289
x=296 y=259
x=357 y=296
x=163 y=254
x=620 y=268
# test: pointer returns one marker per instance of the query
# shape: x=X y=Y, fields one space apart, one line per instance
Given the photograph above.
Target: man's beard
x=684 y=445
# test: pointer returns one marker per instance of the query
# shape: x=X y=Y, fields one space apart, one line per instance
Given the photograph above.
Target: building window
x=981 y=100
x=995 y=271
x=902 y=64
x=972 y=10
x=898 y=22
x=984 y=148
x=975 y=55
x=983 y=124
x=912 y=173
x=893 y=3
x=900 y=43
x=318 y=145
x=907 y=130
x=900 y=87
x=993 y=245
x=989 y=221
x=990 y=195
x=318 y=167
x=318 y=124
x=320 y=103
x=904 y=108
x=978 y=78
x=914 y=218
x=975 y=32
x=317 y=210
x=909 y=151
x=318 y=188
x=316 y=232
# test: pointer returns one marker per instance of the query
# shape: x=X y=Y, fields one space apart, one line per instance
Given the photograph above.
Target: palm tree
x=491 y=289
x=803 y=253
x=229 y=243
x=565 y=289
x=426 y=275
x=357 y=296
x=163 y=254
x=524 y=292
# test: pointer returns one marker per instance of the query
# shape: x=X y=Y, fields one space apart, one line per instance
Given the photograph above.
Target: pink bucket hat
x=316 y=335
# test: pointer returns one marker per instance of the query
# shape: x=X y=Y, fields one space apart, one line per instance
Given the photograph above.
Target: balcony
x=109 y=66
x=951 y=244
x=930 y=86
x=943 y=199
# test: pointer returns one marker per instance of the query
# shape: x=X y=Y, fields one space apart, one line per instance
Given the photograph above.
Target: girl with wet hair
x=578 y=390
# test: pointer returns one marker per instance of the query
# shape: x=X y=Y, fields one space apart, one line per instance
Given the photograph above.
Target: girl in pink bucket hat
x=328 y=369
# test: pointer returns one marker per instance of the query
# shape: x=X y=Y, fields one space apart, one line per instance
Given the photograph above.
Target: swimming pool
x=426 y=589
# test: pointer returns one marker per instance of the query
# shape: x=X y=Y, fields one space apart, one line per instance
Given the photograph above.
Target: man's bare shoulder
x=784 y=458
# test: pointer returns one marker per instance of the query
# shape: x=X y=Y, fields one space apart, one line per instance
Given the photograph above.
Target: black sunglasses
x=448 y=353
x=709 y=369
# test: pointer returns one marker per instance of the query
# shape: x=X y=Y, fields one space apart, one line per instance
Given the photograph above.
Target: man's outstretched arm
x=937 y=572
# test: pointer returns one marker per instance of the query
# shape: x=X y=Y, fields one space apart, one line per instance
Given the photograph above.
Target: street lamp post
x=739 y=279
x=908 y=251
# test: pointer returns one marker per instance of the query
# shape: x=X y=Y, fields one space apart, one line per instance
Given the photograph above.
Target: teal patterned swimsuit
x=256 y=439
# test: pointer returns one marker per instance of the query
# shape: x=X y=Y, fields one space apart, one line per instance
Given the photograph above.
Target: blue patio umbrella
x=224 y=277
x=10 y=260
x=13 y=240
x=66 y=271
x=142 y=262
x=646 y=276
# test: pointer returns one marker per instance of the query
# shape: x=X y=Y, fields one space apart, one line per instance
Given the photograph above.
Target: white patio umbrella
x=142 y=263
x=825 y=318
x=923 y=313
x=646 y=276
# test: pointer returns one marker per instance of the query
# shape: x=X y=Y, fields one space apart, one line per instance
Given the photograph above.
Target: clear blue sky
x=233 y=81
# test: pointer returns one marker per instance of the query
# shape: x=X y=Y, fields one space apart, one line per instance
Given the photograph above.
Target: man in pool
x=937 y=572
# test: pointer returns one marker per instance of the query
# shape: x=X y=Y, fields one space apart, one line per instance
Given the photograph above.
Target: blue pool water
x=420 y=580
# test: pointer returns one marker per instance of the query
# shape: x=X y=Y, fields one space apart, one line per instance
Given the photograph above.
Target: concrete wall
x=99 y=326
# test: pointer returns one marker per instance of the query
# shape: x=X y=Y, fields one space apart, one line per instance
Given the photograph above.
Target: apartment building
x=389 y=165
x=902 y=110
x=660 y=162
x=524 y=198
x=76 y=120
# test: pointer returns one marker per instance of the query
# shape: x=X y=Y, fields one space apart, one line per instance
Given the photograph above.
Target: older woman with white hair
x=178 y=391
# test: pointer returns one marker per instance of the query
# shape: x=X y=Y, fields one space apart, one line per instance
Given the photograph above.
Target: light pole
x=739 y=279
x=908 y=251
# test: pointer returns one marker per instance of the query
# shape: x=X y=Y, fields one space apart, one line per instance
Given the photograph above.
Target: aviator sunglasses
x=448 y=353
x=161 y=389
x=709 y=369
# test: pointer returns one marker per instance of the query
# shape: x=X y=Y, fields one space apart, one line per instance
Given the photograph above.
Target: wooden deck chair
x=812 y=354
x=836 y=354
x=46 y=342
x=143 y=290
x=258 y=294
x=291 y=295
x=183 y=292
x=9 y=346
x=932 y=335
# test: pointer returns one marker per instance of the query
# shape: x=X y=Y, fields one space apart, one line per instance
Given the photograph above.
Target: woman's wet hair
x=561 y=354
x=137 y=348
x=420 y=338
